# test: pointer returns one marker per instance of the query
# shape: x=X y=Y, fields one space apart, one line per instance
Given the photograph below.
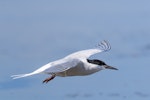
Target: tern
x=75 y=64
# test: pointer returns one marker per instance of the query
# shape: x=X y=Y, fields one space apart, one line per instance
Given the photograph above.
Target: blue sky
x=34 y=32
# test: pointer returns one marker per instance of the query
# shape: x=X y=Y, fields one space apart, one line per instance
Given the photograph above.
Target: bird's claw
x=50 y=78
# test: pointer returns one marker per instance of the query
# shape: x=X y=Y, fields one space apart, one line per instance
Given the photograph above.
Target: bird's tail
x=22 y=75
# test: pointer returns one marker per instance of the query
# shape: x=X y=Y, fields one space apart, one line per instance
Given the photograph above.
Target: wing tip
x=16 y=76
x=104 y=45
x=19 y=76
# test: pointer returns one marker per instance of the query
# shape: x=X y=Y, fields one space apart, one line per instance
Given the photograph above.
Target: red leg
x=50 y=78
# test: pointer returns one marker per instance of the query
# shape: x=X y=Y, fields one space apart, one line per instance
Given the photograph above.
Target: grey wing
x=61 y=65
x=102 y=46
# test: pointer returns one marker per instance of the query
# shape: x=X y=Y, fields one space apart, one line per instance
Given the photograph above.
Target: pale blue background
x=35 y=32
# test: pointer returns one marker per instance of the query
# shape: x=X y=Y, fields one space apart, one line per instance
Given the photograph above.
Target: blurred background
x=35 y=32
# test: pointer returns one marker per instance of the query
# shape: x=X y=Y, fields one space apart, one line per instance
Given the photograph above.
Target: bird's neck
x=94 y=68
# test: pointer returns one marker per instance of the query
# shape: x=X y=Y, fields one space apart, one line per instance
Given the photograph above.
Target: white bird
x=75 y=64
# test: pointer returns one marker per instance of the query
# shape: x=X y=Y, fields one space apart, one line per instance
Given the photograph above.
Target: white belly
x=80 y=70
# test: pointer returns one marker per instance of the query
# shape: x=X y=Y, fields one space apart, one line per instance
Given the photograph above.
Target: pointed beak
x=110 y=67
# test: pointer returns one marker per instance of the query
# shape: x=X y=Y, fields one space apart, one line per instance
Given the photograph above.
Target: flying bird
x=75 y=64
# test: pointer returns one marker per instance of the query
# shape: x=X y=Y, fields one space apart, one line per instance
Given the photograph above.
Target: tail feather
x=22 y=75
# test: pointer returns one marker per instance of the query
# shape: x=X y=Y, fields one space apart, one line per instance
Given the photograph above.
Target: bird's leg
x=65 y=73
x=50 y=78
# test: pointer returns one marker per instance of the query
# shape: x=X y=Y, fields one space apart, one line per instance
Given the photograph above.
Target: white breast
x=81 y=69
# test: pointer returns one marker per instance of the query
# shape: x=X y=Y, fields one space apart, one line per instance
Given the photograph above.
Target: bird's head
x=101 y=63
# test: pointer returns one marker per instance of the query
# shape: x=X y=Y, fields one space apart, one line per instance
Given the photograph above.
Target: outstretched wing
x=52 y=67
x=58 y=66
x=102 y=46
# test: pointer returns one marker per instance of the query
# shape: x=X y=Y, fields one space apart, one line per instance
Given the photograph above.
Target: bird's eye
x=97 y=62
